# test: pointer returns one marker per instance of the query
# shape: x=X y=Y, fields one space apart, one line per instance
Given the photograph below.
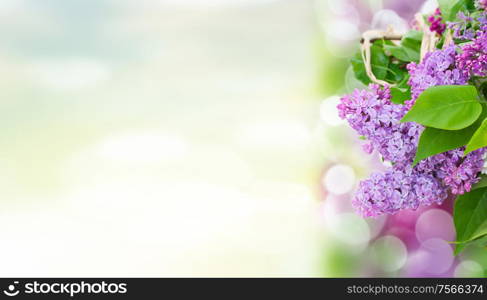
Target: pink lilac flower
x=436 y=24
x=473 y=57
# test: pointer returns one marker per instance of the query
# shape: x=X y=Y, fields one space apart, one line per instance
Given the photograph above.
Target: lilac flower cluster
x=462 y=29
x=395 y=190
x=467 y=27
x=473 y=57
x=437 y=68
x=461 y=175
x=436 y=24
x=372 y=114
x=456 y=172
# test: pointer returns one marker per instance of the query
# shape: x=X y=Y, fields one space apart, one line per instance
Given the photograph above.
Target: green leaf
x=378 y=60
x=450 y=8
x=449 y=107
x=481 y=184
x=402 y=91
x=470 y=217
x=480 y=242
x=434 y=141
x=399 y=95
x=403 y=53
x=399 y=74
x=413 y=35
x=409 y=49
x=479 y=138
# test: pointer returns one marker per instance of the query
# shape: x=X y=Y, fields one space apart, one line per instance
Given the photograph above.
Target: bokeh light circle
x=386 y=17
x=437 y=256
x=435 y=223
x=339 y=179
x=376 y=225
x=350 y=229
x=429 y=7
x=390 y=253
x=329 y=111
x=469 y=268
x=343 y=31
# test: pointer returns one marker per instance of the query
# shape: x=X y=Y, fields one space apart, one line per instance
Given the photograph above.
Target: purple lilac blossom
x=437 y=68
x=457 y=173
x=466 y=28
x=461 y=175
x=482 y=19
x=372 y=114
x=461 y=29
x=396 y=190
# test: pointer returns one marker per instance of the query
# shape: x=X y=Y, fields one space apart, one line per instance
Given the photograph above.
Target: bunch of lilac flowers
x=371 y=113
